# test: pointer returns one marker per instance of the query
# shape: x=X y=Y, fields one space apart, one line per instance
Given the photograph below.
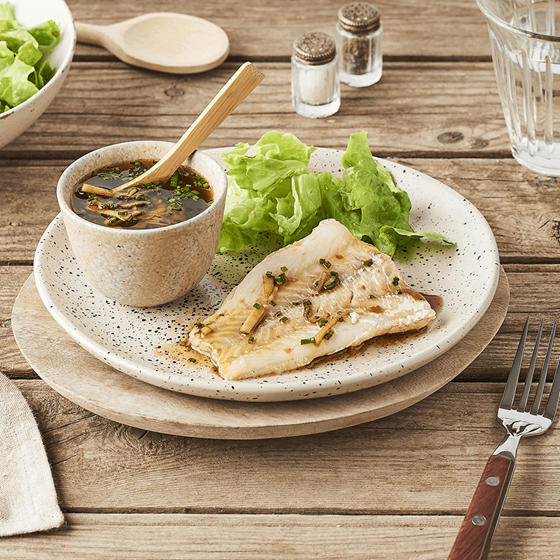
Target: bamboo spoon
x=239 y=86
x=168 y=42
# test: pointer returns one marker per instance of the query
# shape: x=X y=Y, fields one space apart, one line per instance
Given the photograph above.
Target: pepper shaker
x=359 y=44
x=315 y=82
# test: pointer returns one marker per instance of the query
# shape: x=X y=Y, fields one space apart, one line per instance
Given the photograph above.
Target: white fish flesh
x=313 y=298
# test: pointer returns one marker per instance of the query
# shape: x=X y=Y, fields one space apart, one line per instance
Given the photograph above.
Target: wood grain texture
x=497 y=187
x=425 y=460
x=431 y=108
x=527 y=297
x=433 y=29
x=107 y=392
x=275 y=537
x=395 y=488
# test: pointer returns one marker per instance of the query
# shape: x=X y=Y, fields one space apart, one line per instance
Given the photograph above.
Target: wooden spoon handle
x=239 y=86
x=476 y=532
x=88 y=33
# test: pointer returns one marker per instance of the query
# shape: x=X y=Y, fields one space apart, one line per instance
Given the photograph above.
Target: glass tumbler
x=525 y=39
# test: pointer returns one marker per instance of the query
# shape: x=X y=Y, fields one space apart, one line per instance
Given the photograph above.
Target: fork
x=476 y=532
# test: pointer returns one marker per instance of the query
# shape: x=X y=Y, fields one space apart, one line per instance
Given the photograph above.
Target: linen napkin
x=28 y=500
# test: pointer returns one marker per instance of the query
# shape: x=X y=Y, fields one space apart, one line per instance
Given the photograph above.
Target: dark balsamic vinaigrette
x=146 y=206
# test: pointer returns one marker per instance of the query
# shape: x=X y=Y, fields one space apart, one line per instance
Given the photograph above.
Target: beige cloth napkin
x=28 y=500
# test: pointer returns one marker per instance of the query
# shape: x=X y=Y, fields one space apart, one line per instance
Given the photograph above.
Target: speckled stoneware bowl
x=143 y=268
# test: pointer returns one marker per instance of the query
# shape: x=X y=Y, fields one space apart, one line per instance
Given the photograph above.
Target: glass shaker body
x=359 y=44
x=315 y=81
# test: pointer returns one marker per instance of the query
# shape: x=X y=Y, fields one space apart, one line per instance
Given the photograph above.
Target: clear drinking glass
x=525 y=39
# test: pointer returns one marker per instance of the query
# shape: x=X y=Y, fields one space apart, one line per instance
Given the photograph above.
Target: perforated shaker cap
x=314 y=48
x=359 y=17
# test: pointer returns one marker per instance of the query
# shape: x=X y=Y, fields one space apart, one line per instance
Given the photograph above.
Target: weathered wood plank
x=461 y=99
x=527 y=297
x=498 y=188
x=435 y=29
x=276 y=537
x=424 y=460
x=12 y=361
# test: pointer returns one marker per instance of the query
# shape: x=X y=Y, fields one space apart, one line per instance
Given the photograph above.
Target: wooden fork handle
x=476 y=532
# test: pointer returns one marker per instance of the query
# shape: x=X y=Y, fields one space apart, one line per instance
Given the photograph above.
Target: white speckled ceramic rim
x=117 y=153
x=467 y=278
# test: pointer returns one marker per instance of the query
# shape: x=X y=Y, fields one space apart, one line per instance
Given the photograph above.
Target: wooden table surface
x=394 y=488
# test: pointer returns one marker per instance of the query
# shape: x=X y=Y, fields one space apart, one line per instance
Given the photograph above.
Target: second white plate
x=143 y=343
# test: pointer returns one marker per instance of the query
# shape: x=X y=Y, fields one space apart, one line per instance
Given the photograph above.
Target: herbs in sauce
x=103 y=198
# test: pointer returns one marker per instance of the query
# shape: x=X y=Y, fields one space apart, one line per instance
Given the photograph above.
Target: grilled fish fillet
x=322 y=294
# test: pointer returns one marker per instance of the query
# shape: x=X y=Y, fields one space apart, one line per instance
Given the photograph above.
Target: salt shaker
x=315 y=83
x=359 y=44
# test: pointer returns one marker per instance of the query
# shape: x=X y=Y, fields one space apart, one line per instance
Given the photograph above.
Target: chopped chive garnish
x=307 y=303
x=325 y=263
x=284 y=319
x=322 y=322
x=192 y=360
x=329 y=334
x=341 y=319
x=334 y=273
x=307 y=340
x=122 y=212
x=330 y=285
x=399 y=291
x=295 y=302
x=395 y=280
x=371 y=296
x=198 y=325
x=283 y=268
x=257 y=306
x=369 y=262
x=273 y=303
x=269 y=274
x=251 y=339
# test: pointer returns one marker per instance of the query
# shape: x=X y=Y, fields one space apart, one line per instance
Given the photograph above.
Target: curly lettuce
x=272 y=190
x=24 y=69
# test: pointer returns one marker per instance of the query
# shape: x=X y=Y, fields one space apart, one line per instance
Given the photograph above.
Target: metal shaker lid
x=314 y=48
x=359 y=17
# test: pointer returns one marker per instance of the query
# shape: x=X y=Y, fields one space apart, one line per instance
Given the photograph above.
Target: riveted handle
x=476 y=532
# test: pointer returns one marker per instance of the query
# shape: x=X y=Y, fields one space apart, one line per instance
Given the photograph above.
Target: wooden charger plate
x=97 y=387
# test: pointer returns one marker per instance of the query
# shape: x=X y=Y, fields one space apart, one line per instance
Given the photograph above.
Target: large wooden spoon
x=168 y=42
x=239 y=86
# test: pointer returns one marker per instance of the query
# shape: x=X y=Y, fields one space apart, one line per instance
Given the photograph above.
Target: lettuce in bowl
x=24 y=70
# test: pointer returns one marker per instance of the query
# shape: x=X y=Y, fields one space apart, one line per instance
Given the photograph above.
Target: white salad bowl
x=30 y=13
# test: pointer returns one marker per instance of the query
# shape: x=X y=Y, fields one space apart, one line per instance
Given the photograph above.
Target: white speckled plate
x=128 y=338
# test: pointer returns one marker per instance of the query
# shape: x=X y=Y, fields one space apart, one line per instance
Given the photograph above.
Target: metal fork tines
x=520 y=421
x=476 y=532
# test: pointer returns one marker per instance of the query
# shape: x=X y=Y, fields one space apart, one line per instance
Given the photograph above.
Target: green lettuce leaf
x=17 y=88
x=7 y=13
x=24 y=69
x=47 y=35
x=272 y=190
x=16 y=38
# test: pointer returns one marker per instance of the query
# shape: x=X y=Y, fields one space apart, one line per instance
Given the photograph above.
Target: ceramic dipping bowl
x=145 y=267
